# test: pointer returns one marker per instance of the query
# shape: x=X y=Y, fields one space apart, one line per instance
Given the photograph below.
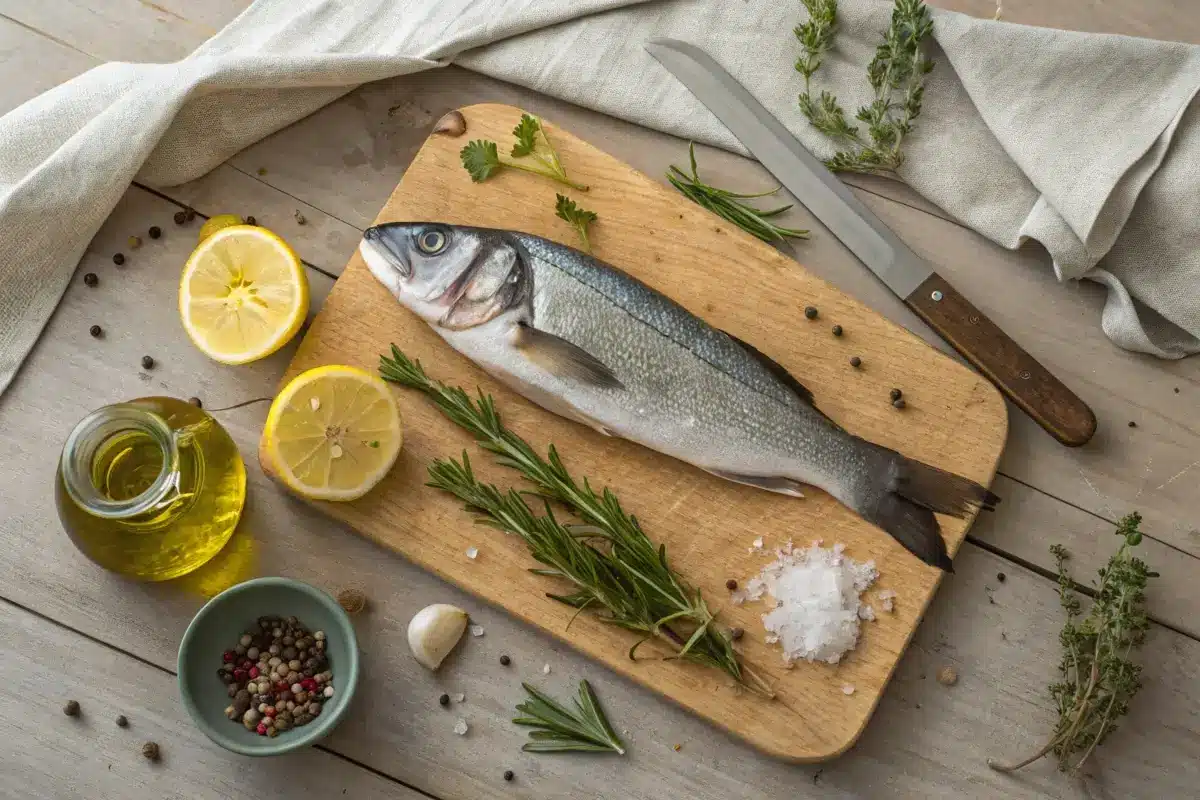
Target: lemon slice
x=333 y=433
x=243 y=294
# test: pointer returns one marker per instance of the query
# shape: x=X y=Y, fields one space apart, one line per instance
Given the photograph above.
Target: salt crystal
x=472 y=552
x=477 y=630
x=758 y=543
x=461 y=727
x=814 y=597
x=314 y=403
x=459 y=697
x=887 y=598
x=546 y=669
x=847 y=689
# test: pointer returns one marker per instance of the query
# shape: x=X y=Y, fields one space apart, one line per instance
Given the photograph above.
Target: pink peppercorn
x=239 y=675
x=228 y=657
x=282 y=686
x=253 y=671
x=246 y=663
x=270 y=712
x=261 y=729
x=309 y=685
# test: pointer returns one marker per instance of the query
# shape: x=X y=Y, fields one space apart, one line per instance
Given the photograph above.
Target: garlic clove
x=434 y=631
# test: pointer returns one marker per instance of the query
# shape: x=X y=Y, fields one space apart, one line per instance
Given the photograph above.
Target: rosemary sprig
x=896 y=73
x=729 y=206
x=482 y=159
x=1098 y=677
x=612 y=566
x=561 y=730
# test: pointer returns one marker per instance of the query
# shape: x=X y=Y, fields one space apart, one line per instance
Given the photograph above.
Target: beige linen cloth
x=1085 y=143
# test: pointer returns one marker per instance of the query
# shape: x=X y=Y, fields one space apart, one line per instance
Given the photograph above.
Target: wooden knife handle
x=1014 y=372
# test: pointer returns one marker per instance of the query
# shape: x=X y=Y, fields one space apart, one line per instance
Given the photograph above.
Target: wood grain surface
x=1016 y=373
x=954 y=419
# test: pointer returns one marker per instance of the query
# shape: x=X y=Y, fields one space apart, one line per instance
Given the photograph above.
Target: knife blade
x=1028 y=384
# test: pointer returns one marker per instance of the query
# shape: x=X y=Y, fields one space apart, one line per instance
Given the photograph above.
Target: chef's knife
x=1021 y=378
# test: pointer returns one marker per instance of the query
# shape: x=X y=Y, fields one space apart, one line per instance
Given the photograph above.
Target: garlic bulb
x=434 y=631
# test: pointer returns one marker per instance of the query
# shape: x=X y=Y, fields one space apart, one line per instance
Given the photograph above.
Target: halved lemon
x=243 y=294
x=333 y=433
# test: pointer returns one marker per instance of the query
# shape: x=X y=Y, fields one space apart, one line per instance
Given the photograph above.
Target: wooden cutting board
x=954 y=419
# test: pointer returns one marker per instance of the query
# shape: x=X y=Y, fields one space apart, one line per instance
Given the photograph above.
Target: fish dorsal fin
x=776 y=369
x=562 y=358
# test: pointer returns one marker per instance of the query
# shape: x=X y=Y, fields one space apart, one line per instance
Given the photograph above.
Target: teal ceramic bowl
x=217 y=627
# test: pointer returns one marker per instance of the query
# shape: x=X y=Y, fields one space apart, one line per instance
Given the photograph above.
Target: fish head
x=451 y=276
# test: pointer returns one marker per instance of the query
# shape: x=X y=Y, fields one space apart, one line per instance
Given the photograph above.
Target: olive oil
x=152 y=488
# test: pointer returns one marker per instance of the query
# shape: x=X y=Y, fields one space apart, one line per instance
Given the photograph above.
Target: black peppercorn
x=251 y=221
x=899 y=402
x=147 y=362
x=855 y=362
x=155 y=232
x=90 y=279
x=1132 y=424
x=810 y=312
x=71 y=709
x=196 y=402
x=736 y=633
x=300 y=220
x=189 y=214
x=508 y=775
x=1000 y=576
x=731 y=584
x=505 y=661
x=1176 y=390
x=837 y=330
x=895 y=394
x=180 y=217
x=150 y=751
x=118 y=258
x=122 y=722
x=96 y=331
x=444 y=699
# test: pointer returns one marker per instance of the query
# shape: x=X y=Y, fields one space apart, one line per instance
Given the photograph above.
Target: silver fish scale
x=676 y=401
x=662 y=314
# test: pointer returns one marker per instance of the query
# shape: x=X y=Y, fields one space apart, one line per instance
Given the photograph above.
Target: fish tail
x=904 y=495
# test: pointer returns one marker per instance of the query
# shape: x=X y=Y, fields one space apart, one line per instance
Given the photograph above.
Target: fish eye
x=431 y=242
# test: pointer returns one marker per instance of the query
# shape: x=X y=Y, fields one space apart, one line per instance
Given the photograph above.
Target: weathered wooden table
x=71 y=630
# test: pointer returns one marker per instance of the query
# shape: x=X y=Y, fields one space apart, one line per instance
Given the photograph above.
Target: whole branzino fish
x=587 y=341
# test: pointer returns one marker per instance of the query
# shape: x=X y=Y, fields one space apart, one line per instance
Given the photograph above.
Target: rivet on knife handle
x=1016 y=373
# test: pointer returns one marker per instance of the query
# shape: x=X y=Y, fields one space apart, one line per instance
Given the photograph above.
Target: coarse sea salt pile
x=816 y=597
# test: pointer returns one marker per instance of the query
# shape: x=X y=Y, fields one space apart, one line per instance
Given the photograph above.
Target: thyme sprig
x=1098 y=677
x=896 y=73
x=729 y=206
x=559 y=729
x=612 y=567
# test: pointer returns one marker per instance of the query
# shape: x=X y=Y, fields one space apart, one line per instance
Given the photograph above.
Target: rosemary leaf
x=560 y=730
x=613 y=568
x=729 y=206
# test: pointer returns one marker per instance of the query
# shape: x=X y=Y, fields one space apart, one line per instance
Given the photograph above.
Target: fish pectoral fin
x=772 y=483
x=564 y=359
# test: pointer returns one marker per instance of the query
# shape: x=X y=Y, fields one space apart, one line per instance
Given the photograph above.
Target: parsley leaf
x=481 y=159
x=526 y=133
x=579 y=218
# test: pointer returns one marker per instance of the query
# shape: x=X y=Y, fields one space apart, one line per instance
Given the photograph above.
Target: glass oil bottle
x=151 y=488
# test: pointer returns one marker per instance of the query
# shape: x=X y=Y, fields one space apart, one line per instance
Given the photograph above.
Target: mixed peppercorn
x=278 y=676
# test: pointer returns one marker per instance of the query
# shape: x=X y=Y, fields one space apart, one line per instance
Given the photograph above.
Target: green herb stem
x=1098 y=678
x=557 y=729
x=729 y=206
x=610 y=563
